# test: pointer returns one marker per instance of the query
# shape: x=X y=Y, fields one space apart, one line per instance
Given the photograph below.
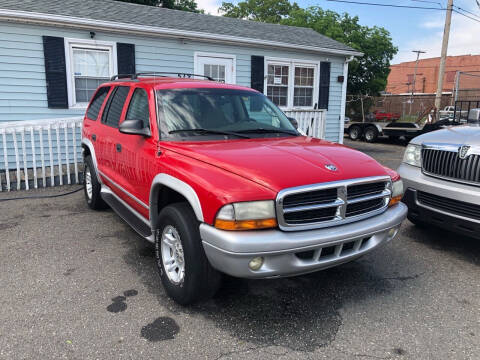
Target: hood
x=282 y=163
x=469 y=134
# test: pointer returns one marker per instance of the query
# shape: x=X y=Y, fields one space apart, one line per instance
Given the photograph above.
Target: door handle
x=119 y=147
x=94 y=137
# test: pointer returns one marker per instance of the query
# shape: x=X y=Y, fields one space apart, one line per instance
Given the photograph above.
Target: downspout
x=344 y=98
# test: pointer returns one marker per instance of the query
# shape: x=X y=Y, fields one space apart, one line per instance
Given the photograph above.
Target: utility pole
x=415 y=77
x=443 y=58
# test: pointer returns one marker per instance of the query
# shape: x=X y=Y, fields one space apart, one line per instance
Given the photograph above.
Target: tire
x=371 y=134
x=91 y=186
x=199 y=280
x=354 y=132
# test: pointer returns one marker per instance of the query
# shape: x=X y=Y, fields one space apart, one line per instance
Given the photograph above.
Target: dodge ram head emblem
x=463 y=151
x=331 y=167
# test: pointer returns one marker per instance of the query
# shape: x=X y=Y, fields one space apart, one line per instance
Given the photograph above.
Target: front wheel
x=186 y=274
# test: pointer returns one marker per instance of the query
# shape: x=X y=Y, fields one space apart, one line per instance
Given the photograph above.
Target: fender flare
x=88 y=143
x=179 y=186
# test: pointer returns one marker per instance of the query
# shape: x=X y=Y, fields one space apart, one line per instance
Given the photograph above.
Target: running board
x=127 y=213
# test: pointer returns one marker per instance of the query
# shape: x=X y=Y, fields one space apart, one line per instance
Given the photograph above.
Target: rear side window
x=138 y=108
x=114 y=107
x=97 y=102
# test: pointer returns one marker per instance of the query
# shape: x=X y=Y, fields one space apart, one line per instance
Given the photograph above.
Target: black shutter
x=324 y=88
x=258 y=72
x=126 y=58
x=55 y=72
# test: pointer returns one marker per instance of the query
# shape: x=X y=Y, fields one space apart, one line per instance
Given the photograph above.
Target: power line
x=388 y=5
x=430 y=2
x=469 y=12
x=458 y=12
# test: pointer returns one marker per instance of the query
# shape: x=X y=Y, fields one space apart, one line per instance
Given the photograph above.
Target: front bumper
x=299 y=252
x=414 y=181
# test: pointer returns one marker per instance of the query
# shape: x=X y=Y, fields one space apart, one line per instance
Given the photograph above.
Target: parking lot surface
x=79 y=284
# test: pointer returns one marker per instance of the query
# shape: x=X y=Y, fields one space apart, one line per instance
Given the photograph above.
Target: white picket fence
x=35 y=153
x=47 y=152
x=311 y=122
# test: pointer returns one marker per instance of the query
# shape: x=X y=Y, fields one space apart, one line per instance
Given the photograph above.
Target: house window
x=277 y=84
x=220 y=67
x=291 y=84
x=303 y=88
x=89 y=64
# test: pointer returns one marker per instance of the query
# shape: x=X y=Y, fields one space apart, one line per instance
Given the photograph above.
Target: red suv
x=218 y=178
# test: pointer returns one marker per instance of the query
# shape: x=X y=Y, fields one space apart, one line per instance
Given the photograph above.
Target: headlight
x=247 y=215
x=413 y=155
x=397 y=192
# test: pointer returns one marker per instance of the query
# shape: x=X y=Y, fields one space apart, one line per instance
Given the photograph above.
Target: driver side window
x=138 y=108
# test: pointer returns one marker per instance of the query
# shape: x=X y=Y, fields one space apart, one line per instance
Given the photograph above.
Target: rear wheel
x=354 y=132
x=92 y=187
x=371 y=134
x=186 y=274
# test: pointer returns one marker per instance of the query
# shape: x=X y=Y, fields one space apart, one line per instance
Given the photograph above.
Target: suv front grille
x=447 y=164
x=329 y=204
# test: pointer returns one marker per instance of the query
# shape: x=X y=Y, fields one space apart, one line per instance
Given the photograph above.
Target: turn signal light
x=245 y=224
x=395 y=200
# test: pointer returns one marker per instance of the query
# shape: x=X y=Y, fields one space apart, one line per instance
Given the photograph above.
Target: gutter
x=89 y=24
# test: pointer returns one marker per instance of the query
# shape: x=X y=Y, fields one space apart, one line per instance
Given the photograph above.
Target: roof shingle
x=135 y=14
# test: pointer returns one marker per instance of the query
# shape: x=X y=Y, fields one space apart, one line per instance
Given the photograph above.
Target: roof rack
x=159 y=73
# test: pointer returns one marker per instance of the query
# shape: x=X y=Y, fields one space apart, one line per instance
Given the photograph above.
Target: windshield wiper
x=209 y=131
x=268 y=131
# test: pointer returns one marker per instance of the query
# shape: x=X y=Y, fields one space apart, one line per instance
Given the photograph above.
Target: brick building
x=400 y=80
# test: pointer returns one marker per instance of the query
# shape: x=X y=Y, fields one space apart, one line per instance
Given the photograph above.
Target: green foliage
x=271 y=11
x=367 y=74
x=185 y=5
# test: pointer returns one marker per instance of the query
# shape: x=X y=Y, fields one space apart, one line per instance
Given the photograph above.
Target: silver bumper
x=413 y=177
x=294 y=253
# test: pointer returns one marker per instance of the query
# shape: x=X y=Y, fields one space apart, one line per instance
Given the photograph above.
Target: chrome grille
x=334 y=203
x=446 y=163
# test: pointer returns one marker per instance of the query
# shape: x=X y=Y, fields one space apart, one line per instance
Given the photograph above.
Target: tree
x=367 y=74
x=271 y=11
x=185 y=5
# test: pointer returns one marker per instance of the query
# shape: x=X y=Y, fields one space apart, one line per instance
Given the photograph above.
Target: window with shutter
x=292 y=83
x=89 y=64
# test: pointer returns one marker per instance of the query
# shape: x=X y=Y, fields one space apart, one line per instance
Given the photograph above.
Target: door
x=107 y=136
x=220 y=68
x=135 y=160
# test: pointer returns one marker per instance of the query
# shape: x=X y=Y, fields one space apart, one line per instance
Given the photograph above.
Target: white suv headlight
x=247 y=215
x=413 y=155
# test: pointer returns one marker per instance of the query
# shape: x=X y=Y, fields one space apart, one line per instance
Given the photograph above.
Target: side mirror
x=293 y=121
x=134 y=127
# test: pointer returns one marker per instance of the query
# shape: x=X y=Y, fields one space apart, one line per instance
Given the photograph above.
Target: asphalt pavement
x=79 y=284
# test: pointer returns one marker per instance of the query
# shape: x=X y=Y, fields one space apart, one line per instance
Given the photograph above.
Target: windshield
x=220 y=112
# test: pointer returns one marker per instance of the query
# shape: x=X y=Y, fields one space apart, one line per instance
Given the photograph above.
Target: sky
x=411 y=29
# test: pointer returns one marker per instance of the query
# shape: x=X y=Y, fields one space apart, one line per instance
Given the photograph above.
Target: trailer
x=370 y=131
